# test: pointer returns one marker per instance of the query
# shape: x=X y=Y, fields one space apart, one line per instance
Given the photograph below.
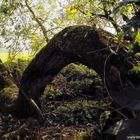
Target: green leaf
x=89 y=14
x=59 y=21
x=137 y=38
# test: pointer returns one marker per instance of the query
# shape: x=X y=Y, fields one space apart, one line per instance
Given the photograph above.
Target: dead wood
x=92 y=47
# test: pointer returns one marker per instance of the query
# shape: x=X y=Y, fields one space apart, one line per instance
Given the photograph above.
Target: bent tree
x=92 y=47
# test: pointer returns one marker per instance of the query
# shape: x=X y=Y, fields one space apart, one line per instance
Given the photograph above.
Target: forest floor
x=73 y=109
x=79 y=119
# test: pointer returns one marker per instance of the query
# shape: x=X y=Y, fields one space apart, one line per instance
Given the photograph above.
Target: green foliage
x=80 y=112
x=7 y=8
x=7 y=96
x=10 y=92
x=19 y=64
x=71 y=12
x=37 y=42
x=86 y=134
x=21 y=31
x=75 y=80
x=136 y=68
x=137 y=38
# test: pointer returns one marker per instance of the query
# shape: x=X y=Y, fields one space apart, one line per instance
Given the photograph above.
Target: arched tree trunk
x=84 y=44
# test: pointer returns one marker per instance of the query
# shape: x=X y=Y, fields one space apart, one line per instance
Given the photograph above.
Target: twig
x=10 y=134
x=104 y=78
x=112 y=108
x=116 y=110
x=99 y=50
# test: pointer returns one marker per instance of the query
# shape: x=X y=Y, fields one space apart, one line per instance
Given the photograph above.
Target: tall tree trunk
x=92 y=47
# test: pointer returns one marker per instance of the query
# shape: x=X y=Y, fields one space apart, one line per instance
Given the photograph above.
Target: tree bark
x=5 y=78
x=92 y=47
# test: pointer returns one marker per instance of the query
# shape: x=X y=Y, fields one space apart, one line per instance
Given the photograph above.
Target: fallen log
x=92 y=47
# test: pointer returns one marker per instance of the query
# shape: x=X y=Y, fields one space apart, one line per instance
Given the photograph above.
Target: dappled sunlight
x=69 y=69
x=20 y=55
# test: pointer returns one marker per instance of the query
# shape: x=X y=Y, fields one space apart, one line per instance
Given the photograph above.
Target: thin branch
x=119 y=112
x=104 y=78
x=44 y=31
x=105 y=16
x=108 y=17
